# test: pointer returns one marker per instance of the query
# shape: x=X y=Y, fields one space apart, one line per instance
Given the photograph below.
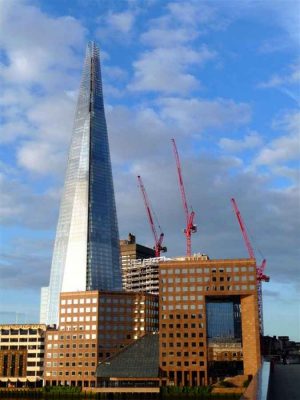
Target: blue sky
x=222 y=77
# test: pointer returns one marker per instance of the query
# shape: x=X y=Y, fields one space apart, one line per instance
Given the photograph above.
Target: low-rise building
x=137 y=365
x=93 y=326
x=22 y=354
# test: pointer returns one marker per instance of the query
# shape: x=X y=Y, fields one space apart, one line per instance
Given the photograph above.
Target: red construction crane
x=158 y=239
x=259 y=269
x=260 y=276
x=190 y=226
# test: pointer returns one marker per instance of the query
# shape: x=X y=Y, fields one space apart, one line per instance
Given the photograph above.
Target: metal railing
x=259 y=386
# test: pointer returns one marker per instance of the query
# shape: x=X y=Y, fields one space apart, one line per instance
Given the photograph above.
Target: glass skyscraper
x=86 y=249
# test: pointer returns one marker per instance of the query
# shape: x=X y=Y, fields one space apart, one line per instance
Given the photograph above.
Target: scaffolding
x=142 y=275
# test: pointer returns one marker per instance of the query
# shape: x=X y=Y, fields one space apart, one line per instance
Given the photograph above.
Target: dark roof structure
x=138 y=360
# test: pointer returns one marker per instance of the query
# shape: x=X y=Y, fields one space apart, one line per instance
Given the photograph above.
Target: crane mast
x=260 y=276
x=158 y=248
x=189 y=216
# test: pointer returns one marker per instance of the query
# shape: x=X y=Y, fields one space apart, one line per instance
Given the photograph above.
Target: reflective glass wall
x=86 y=249
x=223 y=316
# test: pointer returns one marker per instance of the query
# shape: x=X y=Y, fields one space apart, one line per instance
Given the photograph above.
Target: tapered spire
x=86 y=250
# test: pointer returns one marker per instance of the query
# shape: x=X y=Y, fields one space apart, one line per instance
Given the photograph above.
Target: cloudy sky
x=221 y=77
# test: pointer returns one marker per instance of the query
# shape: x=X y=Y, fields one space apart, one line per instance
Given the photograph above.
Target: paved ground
x=285 y=382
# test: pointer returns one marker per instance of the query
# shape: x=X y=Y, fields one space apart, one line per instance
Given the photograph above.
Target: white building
x=22 y=354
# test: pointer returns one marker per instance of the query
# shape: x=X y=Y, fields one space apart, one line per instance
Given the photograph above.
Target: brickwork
x=185 y=286
x=93 y=326
x=250 y=332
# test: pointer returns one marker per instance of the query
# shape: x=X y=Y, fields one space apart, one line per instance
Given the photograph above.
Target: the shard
x=86 y=249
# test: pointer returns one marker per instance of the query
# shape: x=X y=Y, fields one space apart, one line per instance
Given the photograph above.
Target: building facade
x=22 y=354
x=142 y=275
x=208 y=322
x=130 y=250
x=93 y=326
x=86 y=250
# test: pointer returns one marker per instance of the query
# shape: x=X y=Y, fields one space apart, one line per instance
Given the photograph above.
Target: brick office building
x=208 y=319
x=93 y=326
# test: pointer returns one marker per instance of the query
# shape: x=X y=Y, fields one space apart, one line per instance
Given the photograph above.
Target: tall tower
x=86 y=250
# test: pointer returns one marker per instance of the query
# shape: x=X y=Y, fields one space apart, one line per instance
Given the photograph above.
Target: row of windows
x=62 y=355
x=78 y=309
x=79 y=319
x=127 y=310
x=182 y=298
x=172 y=307
x=184 y=363
x=79 y=301
x=23 y=340
x=192 y=279
x=19 y=332
x=27 y=346
x=68 y=346
x=182 y=316
x=70 y=364
x=183 y=354
x=76 y=319
x=200 y=270
x=224 y=354
x=108 y=300
x=73 y=373
x=86 y=336
x=184 y=335
x=184 y=344
x=178 y=289
x=179 y=326
x=150 y=322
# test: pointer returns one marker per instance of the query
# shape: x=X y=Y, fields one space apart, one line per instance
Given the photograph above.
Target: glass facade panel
x=86 y=249
x=223 y=319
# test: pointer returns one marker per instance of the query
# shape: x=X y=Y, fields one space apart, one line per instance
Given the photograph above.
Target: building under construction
x=129 y=251
x=142 y=275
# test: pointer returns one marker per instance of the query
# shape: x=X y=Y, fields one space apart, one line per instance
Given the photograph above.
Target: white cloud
x=39 y=73
x=144 y=132
x=20 y=206
x=165 y=37
x=41 y=158
x=287 y=83
x=194 y=115
x=167 y=69
x=292 y=77
x=122 y=22
x=284 y=148
x=250 y=141
x=37 y=45
x=137 y=134
x=117 y=26
x=193 y=13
